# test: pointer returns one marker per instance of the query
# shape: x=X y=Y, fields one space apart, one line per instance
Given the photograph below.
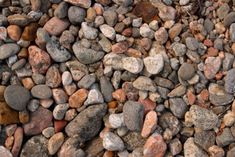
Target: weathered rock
x=5 y=152
x=61 y=25
x=154 y=64
x=150 y=123
x=81 y=3
x=7 y=50
x=55 y=142
x=144 y=83
x=8 y=115
x=132 y=64
x=225 y=138
x=192 y=150
x=212 y=66
x=205 y=139
x=229 y=80
x=178 y=107
x=112 y=142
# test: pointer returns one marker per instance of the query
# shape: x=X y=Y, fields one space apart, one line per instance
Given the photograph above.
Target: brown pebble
x=29 y=33
x=14 y=32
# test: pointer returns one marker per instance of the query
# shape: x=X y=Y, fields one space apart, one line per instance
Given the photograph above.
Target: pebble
x=161 y=35
x=29 y=33
x=154 y=64
x=120 y=47
x=88 y=31
x=229 y=80
x=33 y=105
x=62 y=10
x=232 y=32
x=18 y=140
x=116 y=120
x=78 y=98
x=18 y=19
x=81 y=3
x=59 y=111
x=216 y=151
x=123 y=2
x=229 y=19
x=48 y=132
x=192 y=150
x=16 y=97
x=231 y=152
x=94 y=97
x=7 y=115
x=108 y=31
x=133 y=115
x=223 y=10
x=76 y=15
x=111 y=17
x=3 y=33
x=204 y=139
x=225 y=138
x=5 y=152
x=87 y=123
x=146 y=32
x=39 y=120
x=155 y=146
x=55 y=142
x=38 y=59
x=35 y=146
x=175 y=146
x=53 y=77
x=132 y=64
x=7 y=50
x=14 y=32
x=150 y=124
x=192 y=43
x=106 y=88
x=144 y=83
x=179 y=49
x=178 y=107
x=59 y=95
x=55 y=21
x=184 y=2
x=66 y=78
x=186 y=71
x=112 y=142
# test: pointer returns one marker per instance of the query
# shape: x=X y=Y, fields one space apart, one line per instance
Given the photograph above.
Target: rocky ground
x=117 y=78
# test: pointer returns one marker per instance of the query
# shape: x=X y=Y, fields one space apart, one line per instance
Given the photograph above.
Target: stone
x=18 y=140
x=8 y=115
x=62 y=10
x=166 y=13
x=228 y=61
x=204 y=139
x=85 y=55
x=66 y=78
x=150 y=124
x=76 y=15
x=59 y=111
x=53 y=77
x=146 y=32
x=225 y=138
x=108 y=31
x=78 y=98
x=88 y=31
x=144 y=83
x=186 y=71
x=119 y=95
x=133 y=115
x=161 y=35
x=55 y=142
x=57 y=52
x=192 y=150
x=94 y=97
x=116 y=120
x=48 y=132
x=112 y=142
x=232 y=32
x=38 y=59
x=87 y=123
x=41 y=92
x=29 y=33
x=202 y=118
x=178 y=107
x=229 y=19
x=35 y=146
x=106 y=88
x=179 y=49
x=39 y=120
x=216 y=151
x=81 y=3
x=111 y=17
x=175 y=146
x=120 y=47
x=175 y=30
x=154 y=64
x=87 y=81
x=132 y=64
x=192 y=43
x=7 y=50
x=55 y=21
x=14 y=32
x=5 y=152
x=59 y=95
x=18 y=19
x=155 y=146
x=16 y=97
x=231 y=152
x=229 y=81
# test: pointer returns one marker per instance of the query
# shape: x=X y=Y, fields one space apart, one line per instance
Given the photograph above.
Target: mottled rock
x=55 y=142
x=7 y=50
x=192 y=150
x=8 y=115
x=178 y=107
x=229 y=80
x=150 y=123
x=76 y=15
x=132 y=64
x=5 y=152
x=154 y=64
x=106 y=88
x=225 y=138
x=186 y=71
x=53 y=77
x=61 y=25
x=81 y=3
x=144 y=83
x=205 y=139
x=112 y=142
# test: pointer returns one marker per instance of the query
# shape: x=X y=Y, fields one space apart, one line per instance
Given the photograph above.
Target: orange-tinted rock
x=145 y=10
x=120 y=47
x=191 y=97
x=112 y=104
x=134 y=53
x=59 y=125
x=108 y=154
x=119 y=95
x=175 y=30
x=18 y=142
x=204 y=94
x=28 y=83
x=24 y=116
x=150 y=124
x=81 y=3
x=9 y=142
x=14 y=32
x=8 y=115
x=78 y=98
x=38 y=59
x=29 y=33
x=2 y=89
x=23 y=53
x=149 y=105
x=208 y=43
x=155 y=146
x=127 y=32
x=61 y=25
x=212 y=52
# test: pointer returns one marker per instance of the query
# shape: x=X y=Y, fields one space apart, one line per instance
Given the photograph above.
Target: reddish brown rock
x=29 y=33
x=119 y=95
x=78 y=98
x=18 y=136
x=149 y=105
x=155 y=146
x=2 y=89
x=150 y=124
x=38 y=59
x=61 y=25
x=191 y=97
x=175 y=30
x=24 y=116
x=14 y=32
x=27 y=83
x=39 y=120
x=212 y=52
x=134 y=53
x=113 y=104
x=120 y=47
x=59 y=125
x=8 y=115
x=23 y=53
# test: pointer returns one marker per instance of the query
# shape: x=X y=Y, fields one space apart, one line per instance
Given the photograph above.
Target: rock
x=59 y=96
x=29 y=33
x=166 y=12
x=14 y=32
x=229 y=19
x=94 y=97
x=106 y=88
x=116 y=120
x=202 y=117
x=175 y=146
x=144 y=83
x=123 y=2
x=5 y=152
x=2 y=89
x=228 y=61
x=55 y=142
x=41 y=92
x=62 y=10
x=57 y=52
x=3 y=33
x=48 y=132
x=215 y=151
x=120 y=47
x=81 y=3
x=76 y=15
x=146 y=32
x=112 y=142
x=218 y=96
x=39 y=120
x=111 y=17
x=179 y=49
x=18 y=19
x=232 y=32
x=192 y=43
x=231 y=152
x=18 y=140
x=150 y=124
x=119 y=95
x=42 y=38
x=7 y=50
x=204 y=139
x=132 y=64
x=38 y=78
x=88 y=31
x=186 y=71
x=67 y=78
x=53 y=78
x=17 y=97
x=85 y=55
x=8 y=115
x=38 y=59
x=108 y=31
x=161 y=35
x=154 y=64
x=175 y=30
x=55 y=21
x=225 y=138
x=223 y=10
x=59 y=111
x=35 y=146
x=229 y=80
x=78 y=98
x=133 y=115
x=192 y=150
x=87 y=81
x=155 y=146
x=87 y=123
x=178 y=107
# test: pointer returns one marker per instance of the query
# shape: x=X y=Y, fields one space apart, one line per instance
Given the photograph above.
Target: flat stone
x=144 y=83
x=17 y=97
x=41 y=92
x=7 y=50
x=17 y=19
